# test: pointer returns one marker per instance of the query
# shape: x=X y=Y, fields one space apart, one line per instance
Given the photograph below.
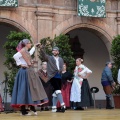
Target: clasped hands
x=38 y=45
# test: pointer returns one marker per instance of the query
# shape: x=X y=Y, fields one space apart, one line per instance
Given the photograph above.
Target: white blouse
x=84 y=70
x=118 y=76
x=20 y=60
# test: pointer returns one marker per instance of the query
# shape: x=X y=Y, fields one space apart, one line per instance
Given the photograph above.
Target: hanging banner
x=9 y=3
x=92 y=8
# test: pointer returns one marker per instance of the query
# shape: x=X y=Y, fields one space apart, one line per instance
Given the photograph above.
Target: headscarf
x=22 y=44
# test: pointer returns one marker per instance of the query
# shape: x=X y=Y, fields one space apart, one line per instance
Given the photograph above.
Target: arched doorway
x=94 y=47
x=5 y=29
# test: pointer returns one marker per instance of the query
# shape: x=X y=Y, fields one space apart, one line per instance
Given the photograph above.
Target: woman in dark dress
x=66 y=86
x=46 y=84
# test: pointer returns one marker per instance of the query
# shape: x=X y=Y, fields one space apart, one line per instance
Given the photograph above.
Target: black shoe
x=63 y=109
x=109 y=107
x=79 y=108
x=46 y=109
x=42 y=109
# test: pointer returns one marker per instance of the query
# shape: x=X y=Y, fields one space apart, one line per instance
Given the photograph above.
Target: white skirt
x=75 y=91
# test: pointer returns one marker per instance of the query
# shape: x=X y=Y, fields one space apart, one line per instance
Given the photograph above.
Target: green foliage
x=47 y=43
x=61 y=41
x=115 y=53
x=10 y=49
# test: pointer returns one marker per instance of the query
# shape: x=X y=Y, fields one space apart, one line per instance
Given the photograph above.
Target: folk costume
x=66 y=88
x=54 y=70
x=28 y=89
x=106 y=81
x=80 y=90
x=47 y=86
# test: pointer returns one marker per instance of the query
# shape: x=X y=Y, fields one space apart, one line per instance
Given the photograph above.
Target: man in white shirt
x=54 y=70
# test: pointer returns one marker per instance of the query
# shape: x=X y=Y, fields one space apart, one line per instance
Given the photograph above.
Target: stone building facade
x=47 y=18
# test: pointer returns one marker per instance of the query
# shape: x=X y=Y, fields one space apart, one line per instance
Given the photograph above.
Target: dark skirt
x=66 y=89
x=86 y=96
x=21 y=94
x=49 y=90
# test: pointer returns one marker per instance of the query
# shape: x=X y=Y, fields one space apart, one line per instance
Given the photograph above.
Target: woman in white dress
x=80 y=91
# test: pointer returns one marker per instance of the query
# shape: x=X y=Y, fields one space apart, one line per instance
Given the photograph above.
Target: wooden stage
x=90 y=114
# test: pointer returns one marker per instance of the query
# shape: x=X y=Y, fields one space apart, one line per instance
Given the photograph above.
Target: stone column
x=118 y=18
x=118 y=25
x=45 y=25
x=45 y=21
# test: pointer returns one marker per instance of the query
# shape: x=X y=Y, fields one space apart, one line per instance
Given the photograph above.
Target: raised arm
x=32 y=50
x=43 y=53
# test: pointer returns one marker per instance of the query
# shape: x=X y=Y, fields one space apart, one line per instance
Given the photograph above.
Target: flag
x=92 y=8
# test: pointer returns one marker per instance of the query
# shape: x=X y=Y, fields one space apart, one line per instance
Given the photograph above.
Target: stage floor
x=90 y=114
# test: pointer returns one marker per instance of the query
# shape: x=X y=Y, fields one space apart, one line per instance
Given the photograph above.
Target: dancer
x=80 y=91
x=28 y=89
x=108 y=84
x=54 y=70
x=66 y=86
x=46 y=84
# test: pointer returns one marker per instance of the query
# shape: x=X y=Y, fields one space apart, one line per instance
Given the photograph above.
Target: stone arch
x=18 y=21
x=13 y=23
x=100 y=28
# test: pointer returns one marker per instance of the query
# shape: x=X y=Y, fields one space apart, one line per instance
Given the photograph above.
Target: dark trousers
x=56 y=84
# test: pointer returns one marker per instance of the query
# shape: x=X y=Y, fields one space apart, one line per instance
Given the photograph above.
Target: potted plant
x=116 y=96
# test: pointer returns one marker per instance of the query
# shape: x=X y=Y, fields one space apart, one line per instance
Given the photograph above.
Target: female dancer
x=66 y=86
x=46 y=84
x=28 y=89
x=80 y=91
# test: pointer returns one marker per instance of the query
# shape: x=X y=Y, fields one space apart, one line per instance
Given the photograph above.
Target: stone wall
x=43 y=18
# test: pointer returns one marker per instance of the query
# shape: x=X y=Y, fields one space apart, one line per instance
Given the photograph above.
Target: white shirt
x=118 y=79
x=83 y=72
x=57 y=62
x=20 y=60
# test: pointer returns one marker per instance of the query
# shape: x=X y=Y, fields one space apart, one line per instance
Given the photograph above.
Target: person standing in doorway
x=108 y=84
x=54 y=70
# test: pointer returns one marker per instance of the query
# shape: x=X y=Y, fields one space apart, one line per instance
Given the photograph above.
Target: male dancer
x=54 y=69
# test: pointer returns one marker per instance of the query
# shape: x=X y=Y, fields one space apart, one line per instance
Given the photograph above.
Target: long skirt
x=1 y=104
x=49 y=90
x=86 y=96
x=66 y=89
x=27 y=83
